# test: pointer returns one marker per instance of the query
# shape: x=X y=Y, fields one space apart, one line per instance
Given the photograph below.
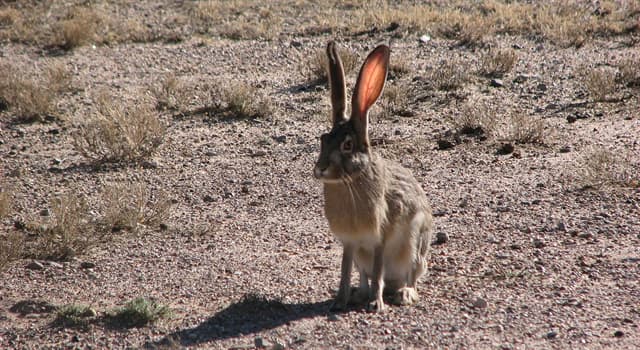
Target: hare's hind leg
x=408 y=294
x=360 y=295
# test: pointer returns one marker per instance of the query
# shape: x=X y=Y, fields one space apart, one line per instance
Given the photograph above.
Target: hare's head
x=345 y=150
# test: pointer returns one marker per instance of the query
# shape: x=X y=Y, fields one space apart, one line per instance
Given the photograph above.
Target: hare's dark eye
x=347 y=145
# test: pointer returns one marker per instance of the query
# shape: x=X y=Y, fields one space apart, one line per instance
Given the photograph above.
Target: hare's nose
x=317 y=172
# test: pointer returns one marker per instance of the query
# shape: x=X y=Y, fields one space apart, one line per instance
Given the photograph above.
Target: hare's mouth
x=331 y=176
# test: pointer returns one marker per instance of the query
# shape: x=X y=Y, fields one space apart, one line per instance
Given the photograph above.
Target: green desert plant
x=138 y=313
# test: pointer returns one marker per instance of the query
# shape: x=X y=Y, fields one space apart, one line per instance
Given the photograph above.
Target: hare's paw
x=359 y=296
x=340 y=302
x=405 y=296
x=376 y=306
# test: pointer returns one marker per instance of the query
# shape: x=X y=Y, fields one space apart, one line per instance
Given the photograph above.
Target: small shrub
x=629 y=72
x=66 y=233
x=79 y=28
x=245 y=101
x=600 y=168
x=138 y=313
x=450 y=75
x=495 y=64
x=522 y=128
x=474 y=118
x=5 y=203
x=600 y=83
x=74 y=315
x=127 y=206
x=120 y=133
x=399 y=66
x=31 y=94
x=11 y=248
x=170 y=93
x=395 y=99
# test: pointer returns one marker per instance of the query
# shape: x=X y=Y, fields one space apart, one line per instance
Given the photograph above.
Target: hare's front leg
x=377 y=280
x=344 y=291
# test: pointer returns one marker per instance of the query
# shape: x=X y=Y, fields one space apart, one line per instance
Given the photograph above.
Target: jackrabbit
x=375 y=207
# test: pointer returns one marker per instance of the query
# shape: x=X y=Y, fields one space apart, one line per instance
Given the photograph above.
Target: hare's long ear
x=336 y=82
x=368 y=88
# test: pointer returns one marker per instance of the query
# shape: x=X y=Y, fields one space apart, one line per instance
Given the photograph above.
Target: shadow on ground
x=253 y=314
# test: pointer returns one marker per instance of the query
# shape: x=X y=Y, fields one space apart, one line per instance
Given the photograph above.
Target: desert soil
x=533 y=260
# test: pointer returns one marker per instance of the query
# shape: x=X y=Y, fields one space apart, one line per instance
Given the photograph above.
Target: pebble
x=87 y=265
x=333 y=317
x=44 y=212
x=442 y=238
x=260 y=342
x=505 y=148
x=207 y=198
x=479 y=303
x=551 y=335
x=496 y=83
x=445 y=144
x=618 y=334
x=35 y=265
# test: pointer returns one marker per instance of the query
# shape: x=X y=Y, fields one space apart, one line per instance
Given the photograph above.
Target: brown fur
x=375 y=207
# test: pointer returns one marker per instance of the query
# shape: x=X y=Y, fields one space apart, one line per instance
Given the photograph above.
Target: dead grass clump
x=242 y=101
x=77 y=29
x=11 y=248
x=315 y=68
x=399 y=66
x=522 y=128
x=450 y=75
x=120 y=133
x=395 y=99
x=237 y=19
x=5 y=203
x=474 y=118
x=629 y=72
x=170 y=93
x=33 y=94
x=600 y=168
x=67 y=231
x=496 y=63
x=127 y=206
x=599 y=82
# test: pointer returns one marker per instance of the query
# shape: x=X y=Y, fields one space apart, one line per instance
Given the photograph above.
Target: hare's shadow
x=253 y=314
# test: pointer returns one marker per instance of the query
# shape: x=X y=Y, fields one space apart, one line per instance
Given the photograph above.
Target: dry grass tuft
x=629 y=72
x=237 y=19
x=316 y=67
x=120 y=133
x=77 y=29
x=601 y=168
x=241 y=100
x=599 y=82
x=170 y=93
x=450 y=75
x=399 y=66
x=496 y=63
x=475 y=118
x=66 y=233
x=128 y=206
x=11 y=248
x=395 y=99
x=138 y=313
x=32 y=94
x=5 y=202
x=522 y=128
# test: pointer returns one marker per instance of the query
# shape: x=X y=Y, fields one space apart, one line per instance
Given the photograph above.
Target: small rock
x=281 y=139
x=87 y=265
x=295 y=43
x=44 y=212
x=54 y=264
x=479 y=303
x=541 y=87
x=618 y=334
x=425 y=39
x=551 y=335
x=561 y=226
x=260 y=342
x=393 y=26
x=445 y=144
x=505 y=148
x=34 y=265
x=585 y=235
x=75 y=338
x=207 y=198
x=520 y=79
x=244 y=189
x=441 y=238
x=571 y=119
x=496 y=83
x=333 y=317
x=565 y=149
x=538 y=243
x=278 y=346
